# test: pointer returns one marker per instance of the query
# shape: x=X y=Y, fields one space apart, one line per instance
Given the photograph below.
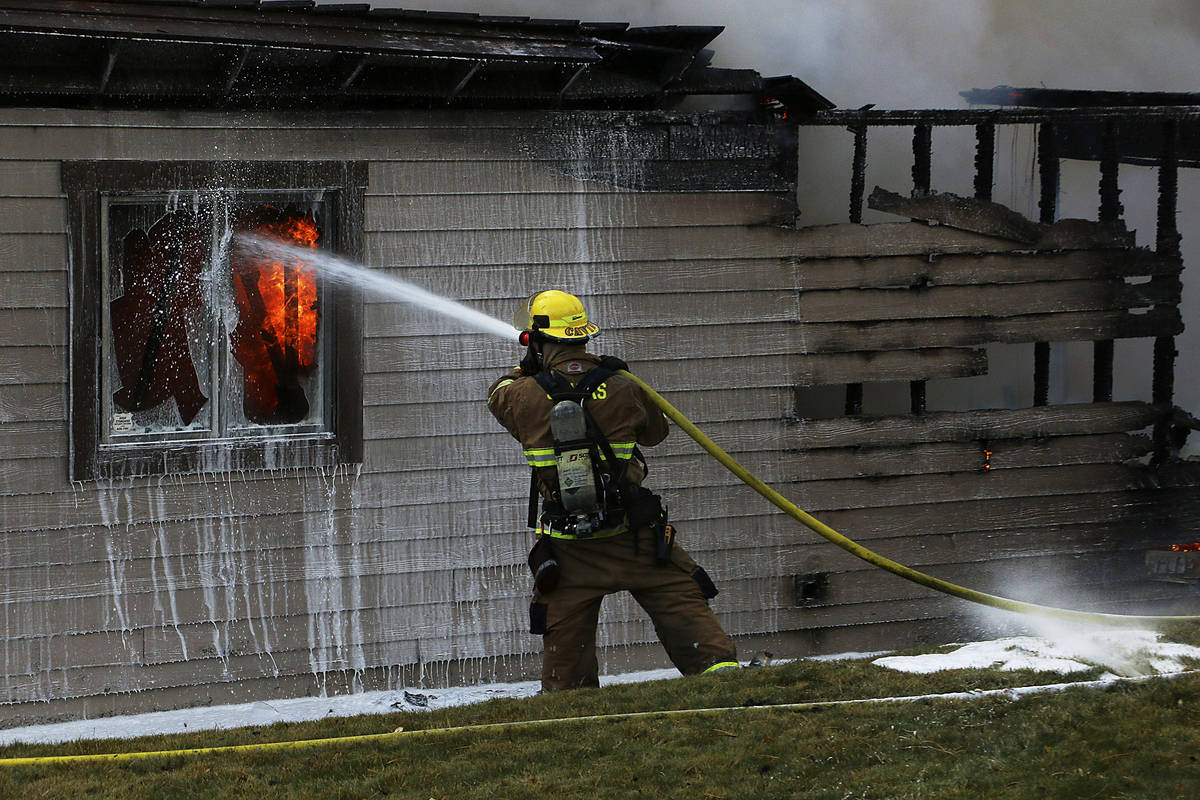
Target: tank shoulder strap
x=559 y=388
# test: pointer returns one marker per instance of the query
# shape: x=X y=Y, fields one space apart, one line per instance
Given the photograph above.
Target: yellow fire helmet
x=557 y=316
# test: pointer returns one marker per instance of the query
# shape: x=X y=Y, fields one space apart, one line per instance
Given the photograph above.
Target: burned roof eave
x=246 y=55
x=1099 y=113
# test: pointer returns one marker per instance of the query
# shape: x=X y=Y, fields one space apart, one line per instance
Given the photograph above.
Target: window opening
x=203 y=341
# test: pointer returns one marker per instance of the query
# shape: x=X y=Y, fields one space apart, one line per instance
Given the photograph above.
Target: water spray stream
x=342 y=271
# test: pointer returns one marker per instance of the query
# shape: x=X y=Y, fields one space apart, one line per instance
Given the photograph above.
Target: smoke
x=916 y=53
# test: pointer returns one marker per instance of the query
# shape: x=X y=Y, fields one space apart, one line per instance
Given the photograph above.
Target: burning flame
x=1191 y=547
x=276 y=337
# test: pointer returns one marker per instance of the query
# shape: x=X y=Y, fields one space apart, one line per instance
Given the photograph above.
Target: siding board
x=642 y=311
x=34 y=252
x=291 y=141
x=33 y=215
x=570 y=211
x=31 y=474
x=33 y=326
x=480 y=177
x=42 y=402
x=495 y=484
x=38 y=290
x=20 y=365
x=27 y=439
x=968 y=331
x=420 y=353
x=29 y=178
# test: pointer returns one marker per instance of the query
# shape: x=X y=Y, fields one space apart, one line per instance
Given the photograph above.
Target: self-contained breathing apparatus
x=593 y=490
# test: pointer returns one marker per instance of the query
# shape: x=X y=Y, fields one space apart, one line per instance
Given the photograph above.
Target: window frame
x=86 y=183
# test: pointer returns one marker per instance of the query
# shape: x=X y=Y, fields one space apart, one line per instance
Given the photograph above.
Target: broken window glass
x=203 y=340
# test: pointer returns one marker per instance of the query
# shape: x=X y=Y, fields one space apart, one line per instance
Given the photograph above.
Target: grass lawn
x=1127 y=740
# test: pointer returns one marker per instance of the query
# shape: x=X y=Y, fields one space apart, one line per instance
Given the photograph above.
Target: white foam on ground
x=300 y=709
x=1111 y=648
x=1121 y=652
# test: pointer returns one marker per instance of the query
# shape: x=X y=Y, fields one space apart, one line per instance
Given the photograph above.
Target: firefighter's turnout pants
x=675 y=596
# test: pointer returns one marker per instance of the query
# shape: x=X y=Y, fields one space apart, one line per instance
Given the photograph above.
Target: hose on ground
x=668 y=713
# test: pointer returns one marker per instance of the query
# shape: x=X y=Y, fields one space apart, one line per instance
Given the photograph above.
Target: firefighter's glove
x=613 y=363
x=531 y=364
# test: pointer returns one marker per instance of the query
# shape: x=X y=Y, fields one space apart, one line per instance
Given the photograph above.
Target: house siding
x=138 y=593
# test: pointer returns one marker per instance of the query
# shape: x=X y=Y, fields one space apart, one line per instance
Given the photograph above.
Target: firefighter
x=599 y=531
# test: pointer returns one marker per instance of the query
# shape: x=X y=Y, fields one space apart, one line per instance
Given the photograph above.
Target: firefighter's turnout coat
x=612 y=559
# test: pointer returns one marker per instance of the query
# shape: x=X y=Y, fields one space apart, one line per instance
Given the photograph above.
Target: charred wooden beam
x=922 y=145
x=1167 y=243
x=1037 y=97
x=1041 y=373
x=854 y=399
x=1110 y=191
x=916 y=392
x=1109 y=214
x=968 y=214
x=1102 y=370
x=858 y=171
x=985 y=160
x=1048 y=173
x=1167 y=236
x=971 y=116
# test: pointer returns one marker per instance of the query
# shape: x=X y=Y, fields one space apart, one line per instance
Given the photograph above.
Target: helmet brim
x=581 y=333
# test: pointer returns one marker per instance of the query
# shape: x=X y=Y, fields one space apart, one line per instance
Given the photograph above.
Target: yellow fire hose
x=668 y=713
x=871 y=557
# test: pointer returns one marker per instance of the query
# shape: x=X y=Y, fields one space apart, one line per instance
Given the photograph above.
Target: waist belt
x=552 y=528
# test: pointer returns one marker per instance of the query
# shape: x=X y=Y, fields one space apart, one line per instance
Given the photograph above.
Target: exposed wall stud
x=854 y=399
x=858 y=173
x=1166 y=244
x=1048 y=173
x=922 y=158
x=985 y=160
